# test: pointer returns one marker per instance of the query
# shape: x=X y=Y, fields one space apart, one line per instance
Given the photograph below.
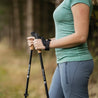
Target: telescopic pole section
x=43 y=72
x=42 y=66
x=28 y=75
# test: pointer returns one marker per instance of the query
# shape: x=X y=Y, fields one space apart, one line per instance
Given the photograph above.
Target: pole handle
x=31 y=47
x=36 y=37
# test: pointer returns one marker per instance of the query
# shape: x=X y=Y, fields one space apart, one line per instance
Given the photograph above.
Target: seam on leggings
x=66 y=72
x=58 y=65
x=72 y=81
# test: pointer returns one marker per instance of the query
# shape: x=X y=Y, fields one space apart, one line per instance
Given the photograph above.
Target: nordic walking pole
x=28 y=75
x=42 y=66
x=43 y=72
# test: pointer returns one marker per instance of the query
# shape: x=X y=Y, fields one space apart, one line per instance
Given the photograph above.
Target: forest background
x=18 y=18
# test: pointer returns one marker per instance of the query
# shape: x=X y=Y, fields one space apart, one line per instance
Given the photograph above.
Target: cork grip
x=31 y=47
x=39 y=51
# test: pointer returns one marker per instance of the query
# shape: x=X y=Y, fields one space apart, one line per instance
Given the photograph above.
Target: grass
x=13 y=72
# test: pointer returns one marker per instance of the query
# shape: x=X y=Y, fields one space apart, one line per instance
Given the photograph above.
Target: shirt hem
x=69 y=60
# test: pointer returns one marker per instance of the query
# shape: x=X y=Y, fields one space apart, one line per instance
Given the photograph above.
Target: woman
x=75 y=63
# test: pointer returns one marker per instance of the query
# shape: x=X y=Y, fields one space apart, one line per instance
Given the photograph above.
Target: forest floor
x=13 y=73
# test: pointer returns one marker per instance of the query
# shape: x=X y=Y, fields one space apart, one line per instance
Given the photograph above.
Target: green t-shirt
x=64 y=26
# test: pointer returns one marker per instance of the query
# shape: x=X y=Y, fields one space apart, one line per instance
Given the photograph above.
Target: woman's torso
x=64 y=26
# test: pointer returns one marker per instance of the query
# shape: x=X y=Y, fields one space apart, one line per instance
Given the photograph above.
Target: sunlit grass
x=13 y=73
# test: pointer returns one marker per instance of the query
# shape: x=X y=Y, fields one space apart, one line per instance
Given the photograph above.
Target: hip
x=83 y=67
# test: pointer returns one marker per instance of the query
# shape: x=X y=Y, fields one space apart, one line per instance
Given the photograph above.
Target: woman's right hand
x=30 y=41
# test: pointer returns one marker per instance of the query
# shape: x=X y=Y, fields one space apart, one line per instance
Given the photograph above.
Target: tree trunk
x=30 y=15
x=16 y=36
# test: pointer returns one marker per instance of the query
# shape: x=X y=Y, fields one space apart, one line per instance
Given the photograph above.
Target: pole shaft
x=28 y=75
x=44 y=76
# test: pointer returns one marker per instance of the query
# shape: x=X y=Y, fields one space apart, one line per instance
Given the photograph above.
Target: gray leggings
x=70 y=80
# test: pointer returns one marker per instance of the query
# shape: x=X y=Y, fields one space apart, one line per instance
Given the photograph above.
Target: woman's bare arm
x=81 y=24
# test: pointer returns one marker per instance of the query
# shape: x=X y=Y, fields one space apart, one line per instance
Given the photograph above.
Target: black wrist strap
x=46 y=43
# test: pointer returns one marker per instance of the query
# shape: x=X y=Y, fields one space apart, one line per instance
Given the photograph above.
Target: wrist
x=52 y=44
x=46 y=43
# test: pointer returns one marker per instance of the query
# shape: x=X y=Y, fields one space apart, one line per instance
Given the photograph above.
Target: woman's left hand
x=38 y=44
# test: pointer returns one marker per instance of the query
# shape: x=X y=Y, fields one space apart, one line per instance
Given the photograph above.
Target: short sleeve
x=73 y=2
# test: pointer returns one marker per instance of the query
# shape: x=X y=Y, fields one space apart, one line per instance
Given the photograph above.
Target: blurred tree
x=43 y=18
x=17 y=24
x=30 y=17
x=16 y=38
x=26 y=16
x=93 y=30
